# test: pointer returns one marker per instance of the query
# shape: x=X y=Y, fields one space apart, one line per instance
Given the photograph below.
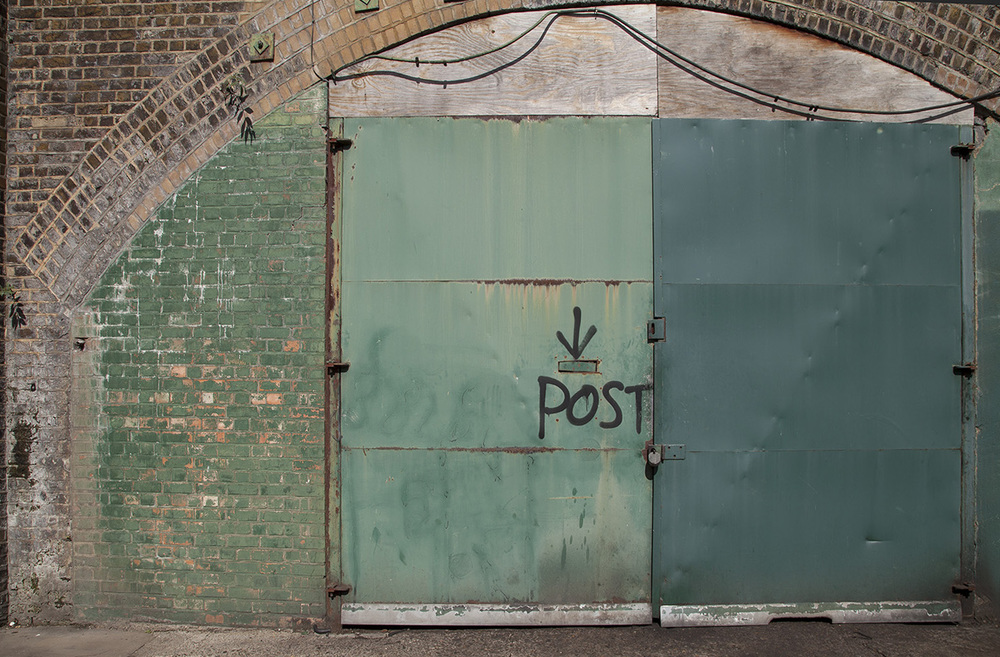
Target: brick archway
x=91 y=213
x=141 y=160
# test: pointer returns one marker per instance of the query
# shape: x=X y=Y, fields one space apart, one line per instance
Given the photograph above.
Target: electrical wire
x=775 y=102
x=456 y=60
x=336 y=77
x=640 y=36
x=552 y=17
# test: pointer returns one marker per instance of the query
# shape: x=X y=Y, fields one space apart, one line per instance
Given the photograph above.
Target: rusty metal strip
x=949 y=611
x=512 y=615
x=332 y=387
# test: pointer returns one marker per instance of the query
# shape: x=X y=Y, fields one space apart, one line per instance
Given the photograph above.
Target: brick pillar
x=4 y=595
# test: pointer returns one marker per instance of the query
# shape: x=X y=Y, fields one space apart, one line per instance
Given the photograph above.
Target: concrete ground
x=792 y=639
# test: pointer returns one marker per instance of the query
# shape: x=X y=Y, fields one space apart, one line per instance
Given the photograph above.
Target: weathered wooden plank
x=585 y=66
x=782 y=62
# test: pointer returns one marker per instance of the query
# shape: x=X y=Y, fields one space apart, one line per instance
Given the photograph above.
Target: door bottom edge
x=501 y=615
x=935 y=611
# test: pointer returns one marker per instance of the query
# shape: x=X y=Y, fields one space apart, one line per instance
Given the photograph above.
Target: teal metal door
x=809 y=277
x=497 y=279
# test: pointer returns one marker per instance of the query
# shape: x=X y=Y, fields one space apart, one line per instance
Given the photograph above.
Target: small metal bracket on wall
x=262 y=47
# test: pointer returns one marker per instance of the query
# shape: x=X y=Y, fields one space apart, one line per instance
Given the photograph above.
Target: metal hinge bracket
x=963 y=150
x=965 y=369
x=656 y=330
x=963 y=589
x=338 y=589
x=337 y=367
x=337 y=145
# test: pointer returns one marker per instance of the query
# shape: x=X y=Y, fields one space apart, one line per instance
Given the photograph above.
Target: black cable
x=443 y=83
x=638 y=35
x=688 y=66
x=553 y=16
x=651 y=46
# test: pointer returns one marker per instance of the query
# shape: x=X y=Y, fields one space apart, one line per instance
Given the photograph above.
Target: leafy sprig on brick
x=236 y=98
x=16 y=312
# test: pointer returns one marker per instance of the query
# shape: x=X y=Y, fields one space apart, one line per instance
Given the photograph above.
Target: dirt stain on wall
x=24 y=438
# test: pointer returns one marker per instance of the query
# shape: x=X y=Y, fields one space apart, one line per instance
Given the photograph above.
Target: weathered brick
x=139 y=291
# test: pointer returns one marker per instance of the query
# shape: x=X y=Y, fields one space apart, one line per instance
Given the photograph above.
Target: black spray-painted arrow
x=577 y=349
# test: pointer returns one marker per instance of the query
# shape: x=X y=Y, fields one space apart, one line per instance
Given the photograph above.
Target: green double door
x=499 y=287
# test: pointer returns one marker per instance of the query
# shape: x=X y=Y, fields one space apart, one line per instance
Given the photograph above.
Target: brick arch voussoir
x=154 y=148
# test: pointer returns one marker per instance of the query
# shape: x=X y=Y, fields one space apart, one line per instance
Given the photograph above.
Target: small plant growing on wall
x=236 y=98
x=16 y=312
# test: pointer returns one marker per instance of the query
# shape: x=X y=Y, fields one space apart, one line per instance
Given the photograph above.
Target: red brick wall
x=78 y=65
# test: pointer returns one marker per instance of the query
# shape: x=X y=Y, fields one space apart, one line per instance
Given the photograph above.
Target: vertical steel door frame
x=334 y=368
x=965 y=587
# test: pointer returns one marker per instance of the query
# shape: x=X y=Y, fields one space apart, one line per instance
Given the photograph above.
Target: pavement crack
x=865 y=638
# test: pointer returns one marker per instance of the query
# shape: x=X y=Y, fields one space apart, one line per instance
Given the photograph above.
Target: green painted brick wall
x=987 y=167
x=199 y=393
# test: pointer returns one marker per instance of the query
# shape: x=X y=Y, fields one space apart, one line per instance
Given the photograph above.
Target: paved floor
x=792 y=639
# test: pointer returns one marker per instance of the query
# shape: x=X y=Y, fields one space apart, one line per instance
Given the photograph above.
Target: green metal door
x=497 y=280
x=809 y=277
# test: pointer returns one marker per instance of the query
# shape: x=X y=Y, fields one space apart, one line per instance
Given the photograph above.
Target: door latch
x=655 y=454
x=656 y=330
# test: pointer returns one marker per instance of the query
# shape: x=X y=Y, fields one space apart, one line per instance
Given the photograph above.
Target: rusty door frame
x=967 y=551
x=334 y=367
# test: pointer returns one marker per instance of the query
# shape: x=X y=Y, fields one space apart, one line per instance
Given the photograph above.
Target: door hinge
x=965 y=369
x=656 y=330
x=337 y=145
x=963 y=589
x=338 y=589
x=963 y=150
x=337 y=367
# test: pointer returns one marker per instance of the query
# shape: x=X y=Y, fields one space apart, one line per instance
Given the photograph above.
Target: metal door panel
x=764 y=367
x=496 y=288
x=518 y=526
x=810 y=280
x=497 y=199
x=798 y=202
x=807 y=526
x=457 y=365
